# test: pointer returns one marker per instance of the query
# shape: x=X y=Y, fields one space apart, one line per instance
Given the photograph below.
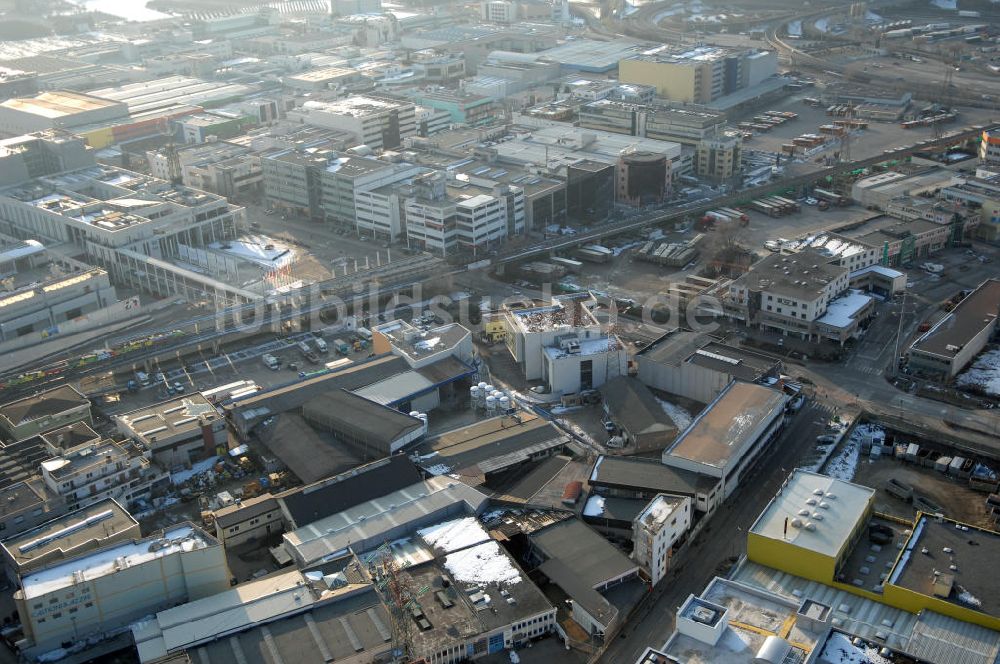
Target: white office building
x=563 y=344
x=376 y=122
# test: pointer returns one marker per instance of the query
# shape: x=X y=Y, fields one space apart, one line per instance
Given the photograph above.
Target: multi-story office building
x=108 y=588
x=590 y=190
x=803 y=294
x=464 y=108
x=443 y=216
x=291 y=181
x=718 y=158
x=701 y=74
x=438 y=66
x=35 y=303
x=374 y=121
x=643 y=178
x=43 y=153
x=327 y=185
x=346 y=178
x=132 y=225
x=661 y=122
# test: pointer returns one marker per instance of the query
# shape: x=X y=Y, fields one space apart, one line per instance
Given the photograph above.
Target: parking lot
x=871 y=142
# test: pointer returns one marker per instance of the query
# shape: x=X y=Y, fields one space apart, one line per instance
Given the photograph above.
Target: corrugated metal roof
x=929 y=636
x=395 y=389
x=938 y=638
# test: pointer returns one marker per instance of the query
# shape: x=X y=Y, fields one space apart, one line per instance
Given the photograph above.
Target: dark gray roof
x=352 y=377
x=336 y=494
x=310 y=456
x=229 y=516
x=633 y=407
x=353 y=417
x=591 y=600
x=965 y=321
x=70 y=436
x=648 y=476
x=592 y=559
x=19 y=461
x=618 y=511
x=530 y=481
x=741 y=364
x=494 y=444
x=340 y=629
x=674 y=347
x=51 y=402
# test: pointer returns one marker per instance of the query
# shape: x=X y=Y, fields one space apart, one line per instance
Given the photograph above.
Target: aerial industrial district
x=420 y=332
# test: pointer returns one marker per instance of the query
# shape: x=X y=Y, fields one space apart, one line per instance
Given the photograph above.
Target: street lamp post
x=899 y=332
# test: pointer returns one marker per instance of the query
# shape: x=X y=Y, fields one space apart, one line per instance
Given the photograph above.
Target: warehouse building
x=644 y=479
x=701 y=74
x=955 y=340
x=373 y=428
x=108 y=588
x=584 y=565
x=640 y=417
x=563 y=345
x=387 y=517
x=379 y=123
x=694 y=366
x=57 y=110
x=490 y=450
x=292 y=616
x=730 y=434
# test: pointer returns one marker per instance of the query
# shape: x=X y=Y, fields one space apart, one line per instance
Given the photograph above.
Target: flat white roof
x=842 y=311
x=832 y=507
x=110 y=560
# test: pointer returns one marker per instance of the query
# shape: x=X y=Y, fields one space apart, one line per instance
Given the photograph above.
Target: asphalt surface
x=723 y=537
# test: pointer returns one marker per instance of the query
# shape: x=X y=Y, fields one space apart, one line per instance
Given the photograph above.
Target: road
x=723 y=537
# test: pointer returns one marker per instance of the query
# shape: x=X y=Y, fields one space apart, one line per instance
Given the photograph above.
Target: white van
x=321 y=345
x=271 y=362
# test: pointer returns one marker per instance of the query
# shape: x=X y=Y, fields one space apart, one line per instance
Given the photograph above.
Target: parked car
x=826 y=439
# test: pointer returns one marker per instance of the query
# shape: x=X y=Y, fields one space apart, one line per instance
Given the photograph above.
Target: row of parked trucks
x=775 y=206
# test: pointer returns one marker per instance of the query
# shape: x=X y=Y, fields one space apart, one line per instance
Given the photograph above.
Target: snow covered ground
x=984 y=373
x=845 y=463
x=196 y=469
x=680 y=417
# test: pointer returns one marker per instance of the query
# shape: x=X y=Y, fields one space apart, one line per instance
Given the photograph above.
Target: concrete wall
x=687 y=380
